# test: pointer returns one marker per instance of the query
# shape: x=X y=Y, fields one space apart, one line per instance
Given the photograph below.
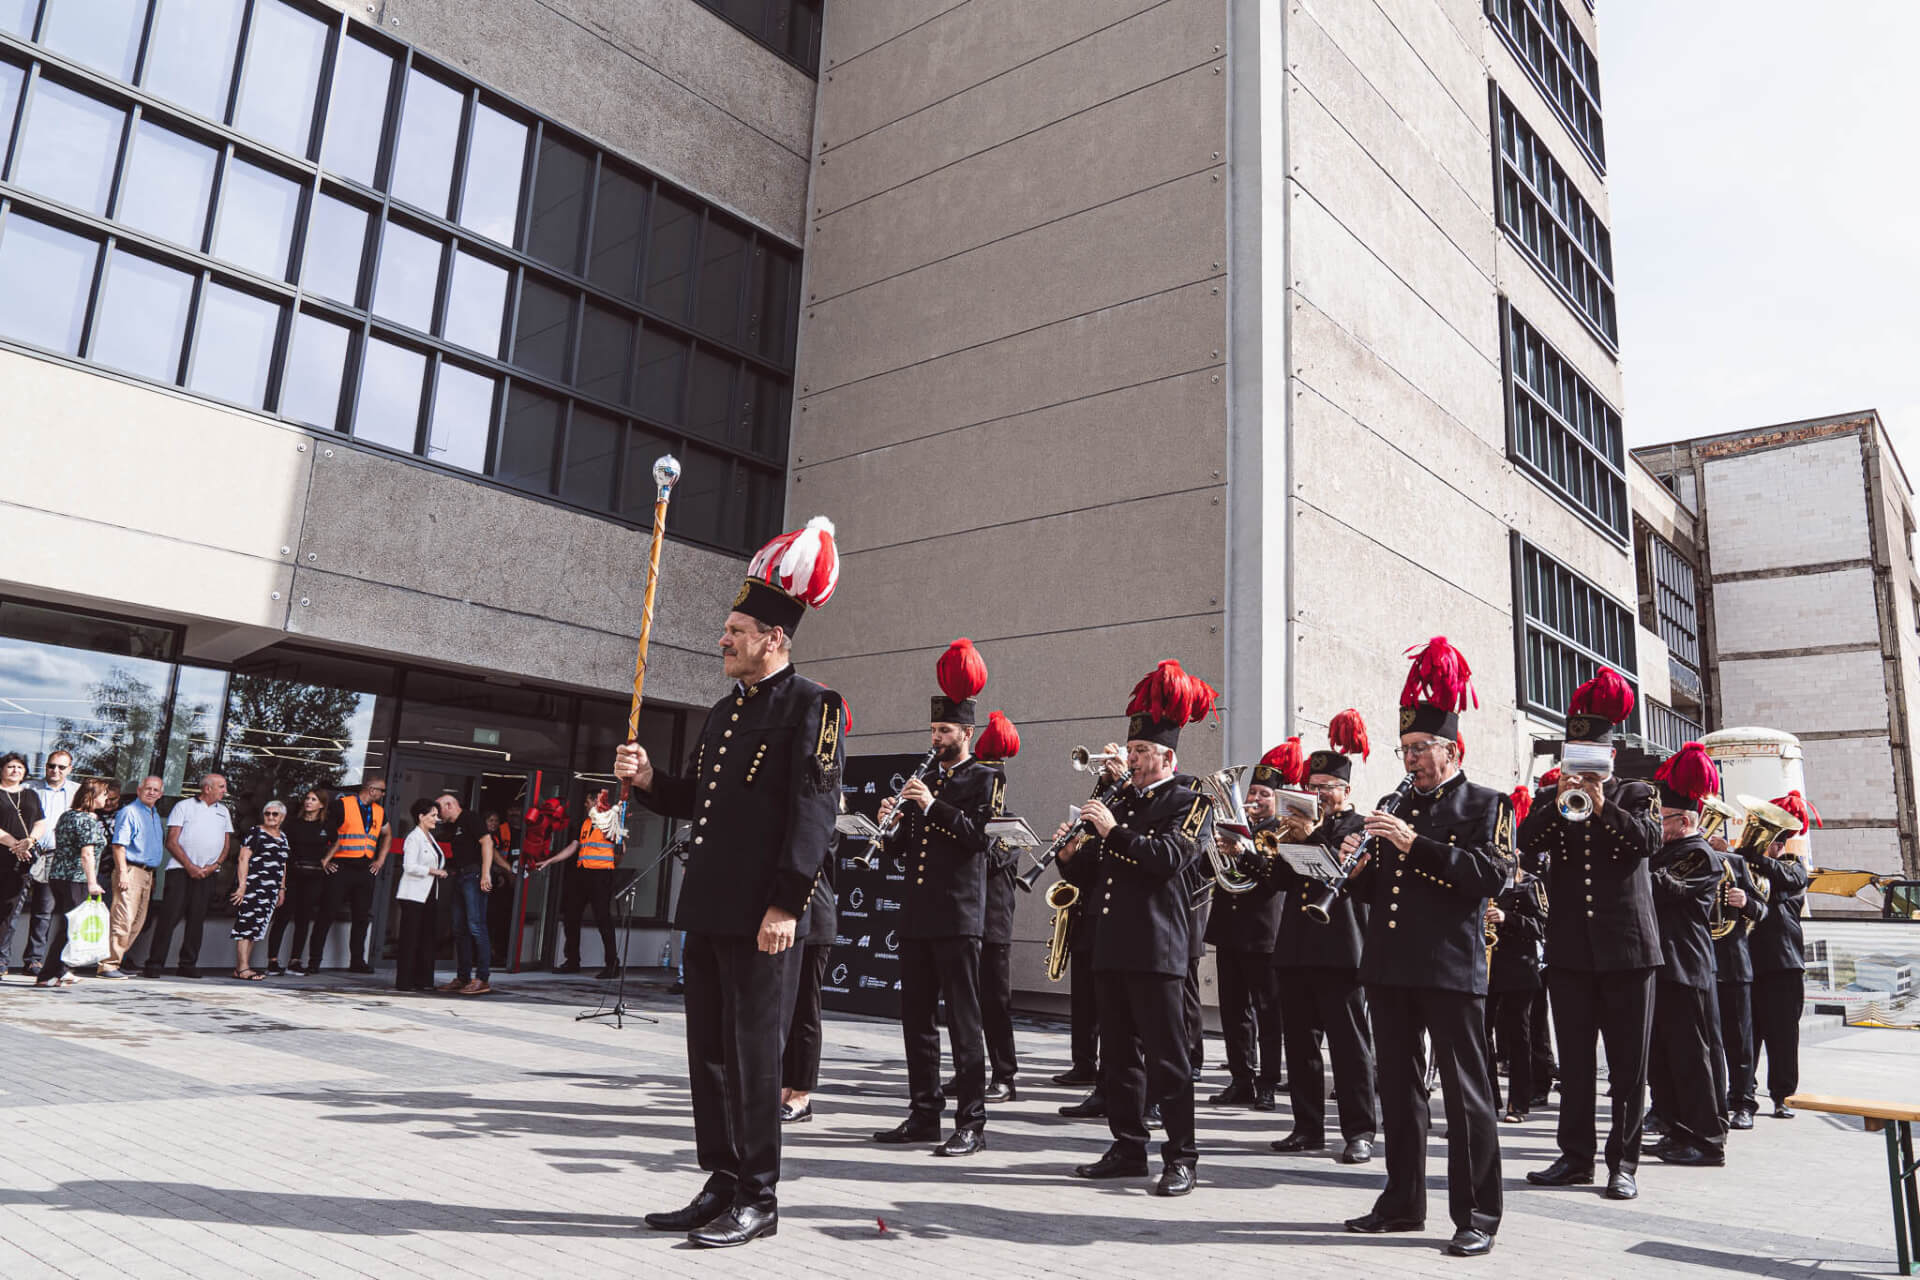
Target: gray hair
x=272 y=806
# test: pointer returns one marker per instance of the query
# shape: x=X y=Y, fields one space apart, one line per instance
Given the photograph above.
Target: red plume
x=1348 y=734
x=1551 y=778
x=1460 y=745
x=1522 y=804
x=1289 y=761
x=1171 y=696
x=999 y=740
x=1802 y=808
x=1440 y=676
x=804 y=563
x=1607 y=694
x=1691 y=772
x=962 y=672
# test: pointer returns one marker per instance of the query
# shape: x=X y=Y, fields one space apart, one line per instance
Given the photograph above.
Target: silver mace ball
x=666 y=473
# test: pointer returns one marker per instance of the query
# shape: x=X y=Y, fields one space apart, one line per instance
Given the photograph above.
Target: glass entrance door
x=481 y=789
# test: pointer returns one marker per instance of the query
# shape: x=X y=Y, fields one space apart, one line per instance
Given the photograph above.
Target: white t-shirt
x=203 y=828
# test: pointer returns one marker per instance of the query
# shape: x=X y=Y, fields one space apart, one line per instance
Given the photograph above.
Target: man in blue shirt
x=139 y=849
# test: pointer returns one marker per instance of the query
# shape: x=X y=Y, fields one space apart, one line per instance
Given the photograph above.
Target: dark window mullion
x=196 y=298
x=92 y=316
x=422 y=429
x=239 y=63
x=362 y=333
x=463 y=155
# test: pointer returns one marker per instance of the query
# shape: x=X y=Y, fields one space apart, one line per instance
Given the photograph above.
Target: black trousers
x=1510 y=1031
x=1148 y=1059
x=306 y=899
x=66 y=895
x=349 y=895
x=588 y=889
x=1544 y=1069
x=929 y=969
x=14 y=882
x=1192 y=1013
x=1329 y=1000
x=1615 y=1008
x=1250 y=1017
x=1716 y=1050
x=413 y=960
x=1456 y=1022
x=188 y=899
x=996 y=1008
x=739 y=1004
x=1777 y=999
x=800 y=1064
x=1083 y=1008
x=1680 y=1066
x=36 y=902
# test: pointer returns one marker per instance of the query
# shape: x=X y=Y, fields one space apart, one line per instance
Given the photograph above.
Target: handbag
x=41 y=868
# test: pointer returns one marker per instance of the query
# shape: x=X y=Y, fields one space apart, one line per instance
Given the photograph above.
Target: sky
x=1764 y=177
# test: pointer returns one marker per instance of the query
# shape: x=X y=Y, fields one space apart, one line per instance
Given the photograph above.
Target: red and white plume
x=1440 y=676
x=961 y=671
x=1171 y=696
x=804 y=563
x=999 y=740
x=1607 y=694
x=1348 y=734
x=1289 y=761
x=1802 y=808
x=1691 y=772
x=1522 y=799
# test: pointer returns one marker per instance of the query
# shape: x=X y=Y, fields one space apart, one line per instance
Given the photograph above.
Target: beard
x=951 y=753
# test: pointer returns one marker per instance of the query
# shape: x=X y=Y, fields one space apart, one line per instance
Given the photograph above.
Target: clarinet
x=892 y=824
x=1320 y=907
x=1104 y=794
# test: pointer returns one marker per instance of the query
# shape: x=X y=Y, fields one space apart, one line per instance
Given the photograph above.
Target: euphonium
x=1722 y=918
x=1766 y=823
x=1715 y=814
x=1061 y=896
x=1229 y=822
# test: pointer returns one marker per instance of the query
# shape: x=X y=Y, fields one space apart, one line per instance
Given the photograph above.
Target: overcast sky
x=1764 y=173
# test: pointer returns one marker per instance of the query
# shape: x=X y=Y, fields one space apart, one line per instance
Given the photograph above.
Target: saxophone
x=1060 y=897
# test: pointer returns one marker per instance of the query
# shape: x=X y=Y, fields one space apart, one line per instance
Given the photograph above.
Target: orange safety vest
x=355 y=840
x=596 y=851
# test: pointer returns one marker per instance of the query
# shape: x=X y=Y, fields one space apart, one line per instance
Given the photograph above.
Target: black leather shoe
x=1694 y=1157
x=187 y=971
x=1663 y=1148
x=1152 y=1117
x=1176 y=1181
x=790 y=1116
x=1372 y=1224
x=1263 y=1099
x=1653 y=1126
x=1468 y=1243
x=1091 y=1107
x=706 y=1206
x=1077 y=1077
x=571 y=966
x=1111 y=1166
x=1621 y=1186
x=907 y=1132
x=1002 y=1091
x=964 y=1142
x=737 y=1226
x=1742 y=1119
x=1299 y=1142
x=1562 y=1173
x=611 y=971
x=1237 y=1094
x=1783 y=1113
x=1359 y=1151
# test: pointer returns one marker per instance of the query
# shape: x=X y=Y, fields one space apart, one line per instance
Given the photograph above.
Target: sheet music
x=1013 y=831
x=856 y=825
x=1301 y=803
x=1310 y=860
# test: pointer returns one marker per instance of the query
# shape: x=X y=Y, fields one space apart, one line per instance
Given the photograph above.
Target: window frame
x=809 y=59
x=1589 y=658
x=1547 y=24
x=1560 y=240
x=1514 y=385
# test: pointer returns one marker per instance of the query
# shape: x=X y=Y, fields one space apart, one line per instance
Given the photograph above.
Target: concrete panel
x=1443 y=45
x=1758 y=615
x=1829 y=693
x=1875 y=849
x=1752 y=524
x=1157 y=336
x=1851 y=779
x=1171 y=130
x=1547 y=311
x=1156 y=240
x=854 y=27
x=1130 y=55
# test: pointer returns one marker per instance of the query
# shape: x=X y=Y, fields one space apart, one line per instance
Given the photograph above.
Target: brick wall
x=1764 y=615
x=1804 y=695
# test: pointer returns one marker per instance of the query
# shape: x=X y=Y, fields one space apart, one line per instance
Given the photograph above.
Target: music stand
x=618 y=1011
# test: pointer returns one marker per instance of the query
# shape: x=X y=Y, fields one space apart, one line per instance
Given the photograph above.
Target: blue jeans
x=470 y=927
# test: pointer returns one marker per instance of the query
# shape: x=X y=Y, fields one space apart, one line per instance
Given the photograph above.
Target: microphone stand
x=618 y=1011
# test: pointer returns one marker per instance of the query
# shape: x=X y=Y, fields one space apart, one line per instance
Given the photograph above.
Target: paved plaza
x=213 y=1128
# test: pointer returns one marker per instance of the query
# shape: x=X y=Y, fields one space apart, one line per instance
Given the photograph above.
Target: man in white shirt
x=199 y=837
x=56 y=796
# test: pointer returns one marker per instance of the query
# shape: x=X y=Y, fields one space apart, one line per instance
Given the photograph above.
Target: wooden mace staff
x=666 y=472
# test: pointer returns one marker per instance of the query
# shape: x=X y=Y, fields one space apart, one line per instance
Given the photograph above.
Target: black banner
x=863 y=974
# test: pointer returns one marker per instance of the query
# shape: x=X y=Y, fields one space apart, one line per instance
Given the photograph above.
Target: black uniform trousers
x=306 y=896
x=588 y=888
x=1192 y=1012
x=1456 y=1022
x=349 y=893
x=739 y=1004
x=1510 y=1025
x=1250 y=1016
x=1312 y=1000
x=800 y=1065
x=996 y=1008
x=1615 y=1008
x=186 y=898
x=1680 y=1066
x=1083 y=1008
x=1543 y=1066
x=1143 y=1031
x=1777 y=999
x=929 y=969
x=1717 y=1049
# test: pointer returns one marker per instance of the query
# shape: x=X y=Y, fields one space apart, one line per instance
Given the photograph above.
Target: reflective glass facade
x=791 y=28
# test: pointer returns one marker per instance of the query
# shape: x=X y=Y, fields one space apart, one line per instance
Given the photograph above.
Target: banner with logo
x=863 y=974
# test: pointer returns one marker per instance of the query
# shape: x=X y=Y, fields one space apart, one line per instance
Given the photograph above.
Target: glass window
x=304 y=721
x=540 y=337
x=11 y=78
x=619 y=222
x=16 y=16
x=490 y=194
x=165 y=186
x=606 y=350
x=476 y=304
x=723 y=269
x=336 y=242
x=257 y=210
x=68 y=146
x=45 y=276
x=699 y=500
x=192 y=729
x=190 y=53
x=770 y=299
x=760 y=499
x=316 y=359
x=142 y=317
x=676 y=225
x=429 y=135
x=409 y=272
x=462 y=412
x=233 y=346
x=766 y=402
x=102 y=34
x=710 y=401
x=591 y=444
x=284 y=51
x=529 y=432
x=559 y=203
x=660 y=375
x=362 y=78
x=388 y=411
x=637 y=489
x=93 y=684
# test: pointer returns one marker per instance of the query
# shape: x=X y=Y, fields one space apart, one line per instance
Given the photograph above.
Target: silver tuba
x=1232 y=829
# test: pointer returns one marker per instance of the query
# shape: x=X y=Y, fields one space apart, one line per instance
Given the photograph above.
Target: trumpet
x=1086 y=761
x=1576 y=806
x=1060 y=897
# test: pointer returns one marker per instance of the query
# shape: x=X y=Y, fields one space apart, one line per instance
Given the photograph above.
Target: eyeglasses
x=1421 y=748
x=52 y=766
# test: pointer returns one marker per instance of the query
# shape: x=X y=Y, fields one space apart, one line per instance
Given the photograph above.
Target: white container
x=1759 y=762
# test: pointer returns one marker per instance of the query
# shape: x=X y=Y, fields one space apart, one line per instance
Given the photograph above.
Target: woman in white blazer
x=420 y=866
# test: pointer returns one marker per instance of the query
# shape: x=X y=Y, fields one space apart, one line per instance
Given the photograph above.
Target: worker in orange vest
x=352 y=865
x=595 y=854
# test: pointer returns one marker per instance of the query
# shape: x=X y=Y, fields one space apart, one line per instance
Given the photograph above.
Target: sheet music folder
x=1014 y=831
x=856 y=825
x=1310 y=860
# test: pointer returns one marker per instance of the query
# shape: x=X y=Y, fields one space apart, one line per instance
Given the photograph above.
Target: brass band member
x=998 y=743
x=762 y=788
x=1242 y=930
x=943 y=838
x=1317 y=967
x=1140 y=850
x=1686 y=878
x=1434 y=865
x=1517 y=921
x=1779 y=962
x=1603 y=945
x=1733 y=993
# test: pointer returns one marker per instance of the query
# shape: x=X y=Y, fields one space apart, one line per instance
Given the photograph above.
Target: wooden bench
x=1896 y=1120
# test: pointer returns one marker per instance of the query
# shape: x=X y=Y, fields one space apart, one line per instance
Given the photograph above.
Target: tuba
x=1232 y=830
x=1060 y=897
x=1765 y=824
x=1715 y=814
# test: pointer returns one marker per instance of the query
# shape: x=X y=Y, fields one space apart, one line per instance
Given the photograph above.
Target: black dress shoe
x=1263 y=1099
x=1562 y=1173
x=1176 y=1181
x=1359 y=1151
x=1237 y=1094
x=1468 y=1243
x=1540 y=1098
x=1742 y=1119
x=1653 y=1125
x=964 y=1142
x=1077 y=1077
x=1663 y=1148
x=360 y=968
x=571 y=966
x=187 y=971
x=610 y=971
x=737 y=1226
x=1783 y=1113
x=1152 y=1117
x=706 y=1206
x=907 y=1132
x=1621 y=1186
x=1299 y=1142
x=1002 y=1091
x=1694 y=1157
x=1373 y=1224
x=790 y=1116
x=1111 y=1166
x=1091 y=1107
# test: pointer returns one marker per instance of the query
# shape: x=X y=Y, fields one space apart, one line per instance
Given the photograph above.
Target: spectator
x=56 y=793
x=470 y=863
x=305 y=895
x=353 y=862
x=590 y=882
x=139 y=848
x=500 y=901
x=21 y=825
x=199 y=837
x=78 y=840
x=419 y=868
x=261 y=888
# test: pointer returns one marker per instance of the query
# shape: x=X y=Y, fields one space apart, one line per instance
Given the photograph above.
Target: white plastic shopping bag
x=87 y=934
